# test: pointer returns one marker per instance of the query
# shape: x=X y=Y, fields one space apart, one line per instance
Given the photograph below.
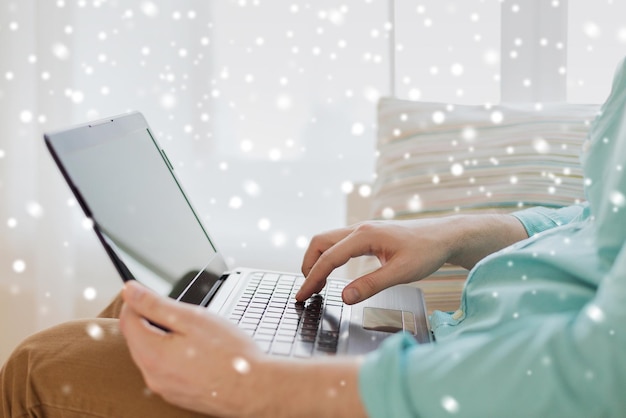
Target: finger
x=174 y=316
x=319 y=244
x=334 y=257
x=390 y=274
x=142 y=339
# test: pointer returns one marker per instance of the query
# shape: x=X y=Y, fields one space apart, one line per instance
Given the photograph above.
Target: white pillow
x=436 y=158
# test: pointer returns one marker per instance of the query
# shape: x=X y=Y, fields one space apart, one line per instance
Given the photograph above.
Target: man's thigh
x=80 y=368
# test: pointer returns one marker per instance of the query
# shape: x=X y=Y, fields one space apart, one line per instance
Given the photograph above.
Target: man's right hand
x=407 y=250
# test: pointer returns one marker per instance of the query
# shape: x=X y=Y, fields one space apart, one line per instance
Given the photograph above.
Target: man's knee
x=45 y=365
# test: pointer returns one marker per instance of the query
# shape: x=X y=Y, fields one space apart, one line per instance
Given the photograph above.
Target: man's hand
x=407 y=250
x=203 y=363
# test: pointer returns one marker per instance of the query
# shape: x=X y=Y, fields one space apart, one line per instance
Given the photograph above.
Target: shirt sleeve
x=565 y=364
x=539 y=218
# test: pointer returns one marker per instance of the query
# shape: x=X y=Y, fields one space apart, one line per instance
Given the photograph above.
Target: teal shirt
x=541 y=329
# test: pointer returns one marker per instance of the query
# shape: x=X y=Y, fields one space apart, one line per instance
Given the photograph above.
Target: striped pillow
x=436 y=158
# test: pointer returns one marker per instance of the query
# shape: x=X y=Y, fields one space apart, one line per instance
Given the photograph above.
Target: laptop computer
x=126 y=185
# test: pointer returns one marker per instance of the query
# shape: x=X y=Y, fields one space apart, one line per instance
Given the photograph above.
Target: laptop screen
x=137 y=205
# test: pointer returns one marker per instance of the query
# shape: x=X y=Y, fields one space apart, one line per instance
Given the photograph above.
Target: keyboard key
x=270 y=320
x=288 y=332
x=265 y=330
x=264 y=345
x=255 y=315
x=289 y=326
x=302 y=349
x=259 y=336
x=285 y=338
x=281 y=348
x=255 y=310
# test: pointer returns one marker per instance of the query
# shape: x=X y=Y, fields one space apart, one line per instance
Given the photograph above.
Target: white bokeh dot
x=284 y=102
x=95 y=331
x=87 y=223
x=497 y=117
x=450 y=404
x=388 y=213
x=456 y=169
x=77 y=96
x=34 y=209
x=275 y=154
x=168 y=101
x=61 y=51
x=358 y=129
x=252 y=188
x=279 y=239
x=26 y=116
x=415 y=203
x=235 y=202
x=595 y=313
x=264 y=224
x=592 y=30
x=469 y=133
x=415 y=94
x=246 y=145
x=439 y=117
x=302 y=242
x=347 y=187
x=241 y=365
x=456 y=69
x=90 y=293
x=541 y=145
x=365 y=190
x=618 y=198
x=19 y=266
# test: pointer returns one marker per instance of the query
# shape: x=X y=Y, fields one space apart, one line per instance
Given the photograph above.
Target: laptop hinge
x=216 y=286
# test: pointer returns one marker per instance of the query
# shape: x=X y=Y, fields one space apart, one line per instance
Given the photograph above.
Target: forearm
x=477 y=236
x=320 y=388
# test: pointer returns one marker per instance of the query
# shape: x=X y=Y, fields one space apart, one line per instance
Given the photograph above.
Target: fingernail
x=351 y=295
x=133 y=289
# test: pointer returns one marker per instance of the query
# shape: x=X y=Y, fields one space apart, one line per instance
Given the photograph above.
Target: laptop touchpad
x=388 y=320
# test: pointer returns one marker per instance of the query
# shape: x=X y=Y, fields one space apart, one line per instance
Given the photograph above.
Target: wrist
x=322 y=387
x=477 y=236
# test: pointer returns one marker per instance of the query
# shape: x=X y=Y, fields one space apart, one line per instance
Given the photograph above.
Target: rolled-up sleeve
x=559 y=364
x=539 y=218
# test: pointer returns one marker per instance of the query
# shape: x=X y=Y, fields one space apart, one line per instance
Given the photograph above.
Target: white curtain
x=65 y=62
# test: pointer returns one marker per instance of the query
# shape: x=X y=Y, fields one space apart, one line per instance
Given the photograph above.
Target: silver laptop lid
x=126 y=185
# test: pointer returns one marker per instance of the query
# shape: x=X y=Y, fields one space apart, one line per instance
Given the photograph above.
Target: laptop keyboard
x=268 y=312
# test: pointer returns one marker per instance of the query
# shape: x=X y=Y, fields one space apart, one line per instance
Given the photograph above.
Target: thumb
x=370 y=284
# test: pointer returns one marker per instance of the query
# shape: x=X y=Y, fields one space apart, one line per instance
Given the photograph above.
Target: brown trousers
x=79 y=369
